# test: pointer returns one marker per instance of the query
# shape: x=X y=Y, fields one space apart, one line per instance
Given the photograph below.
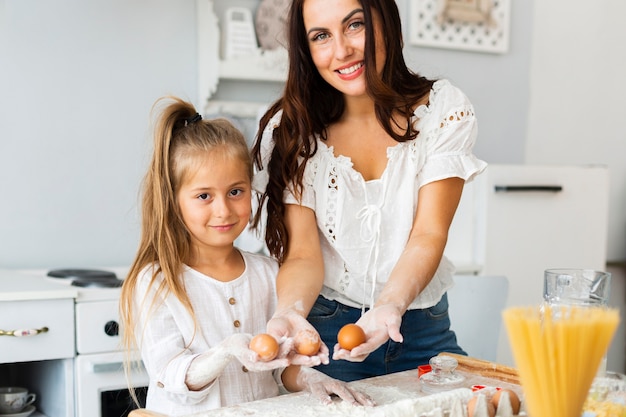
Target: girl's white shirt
x=364 y=225
x=168 y=344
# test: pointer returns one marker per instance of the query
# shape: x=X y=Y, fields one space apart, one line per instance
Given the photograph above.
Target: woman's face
x=215 y=200
x=336 y=35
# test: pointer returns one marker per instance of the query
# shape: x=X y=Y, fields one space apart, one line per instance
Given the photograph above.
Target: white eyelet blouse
x=364 y=225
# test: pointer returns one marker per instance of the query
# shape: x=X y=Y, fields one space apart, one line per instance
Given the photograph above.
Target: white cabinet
x=43 y=362
x=518 y=220
x=55 y=316
x=262 y=66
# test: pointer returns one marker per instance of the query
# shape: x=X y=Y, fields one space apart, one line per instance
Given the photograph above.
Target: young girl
x=192 y=301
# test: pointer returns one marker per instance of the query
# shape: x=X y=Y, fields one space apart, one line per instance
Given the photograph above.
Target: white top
x=249 y=300
x=364 y=225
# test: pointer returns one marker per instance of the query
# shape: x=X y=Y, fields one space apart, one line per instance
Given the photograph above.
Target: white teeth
x=351 y=69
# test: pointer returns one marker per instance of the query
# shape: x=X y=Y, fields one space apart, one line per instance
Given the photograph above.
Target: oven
x=100 y=381
x=101 y=385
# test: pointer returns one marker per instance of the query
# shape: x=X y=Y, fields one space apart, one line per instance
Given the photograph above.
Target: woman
x=361 y=164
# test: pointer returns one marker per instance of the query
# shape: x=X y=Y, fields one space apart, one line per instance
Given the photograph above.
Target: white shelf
x=264 y=66
x=242 y=109
x=267 y=66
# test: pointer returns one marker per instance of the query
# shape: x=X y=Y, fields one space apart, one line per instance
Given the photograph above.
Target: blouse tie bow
x=370 y=217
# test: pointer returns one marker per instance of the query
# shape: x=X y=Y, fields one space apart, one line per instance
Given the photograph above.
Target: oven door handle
x=101 y=368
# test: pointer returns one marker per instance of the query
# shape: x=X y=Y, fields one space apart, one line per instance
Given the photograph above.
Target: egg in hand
x=350 y=336
x=307 y=342
x=265 y=346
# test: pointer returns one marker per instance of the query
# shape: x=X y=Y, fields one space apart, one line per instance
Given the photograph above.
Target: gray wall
x=77 y=80
x=497 y=84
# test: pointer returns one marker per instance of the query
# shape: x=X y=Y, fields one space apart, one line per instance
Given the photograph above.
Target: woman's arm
x=437 y=203
x=299 y=280
x=321 y=386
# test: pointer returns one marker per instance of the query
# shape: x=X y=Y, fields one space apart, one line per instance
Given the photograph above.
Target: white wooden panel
x=91 y=319
x=56 y=343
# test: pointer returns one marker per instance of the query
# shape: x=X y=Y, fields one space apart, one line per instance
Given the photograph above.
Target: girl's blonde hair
x=181 y=141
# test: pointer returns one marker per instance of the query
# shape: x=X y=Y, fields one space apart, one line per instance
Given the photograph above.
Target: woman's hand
x=321 y=386
x=380 y=324
x=284 y=326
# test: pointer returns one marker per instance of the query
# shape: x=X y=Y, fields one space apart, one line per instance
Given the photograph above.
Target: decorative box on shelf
x=227 y=53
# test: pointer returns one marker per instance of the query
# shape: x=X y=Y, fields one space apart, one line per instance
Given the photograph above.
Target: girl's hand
x=237 y=345
x=205 y=368
x=321 y=386
x=380 y=324
x=284 y=326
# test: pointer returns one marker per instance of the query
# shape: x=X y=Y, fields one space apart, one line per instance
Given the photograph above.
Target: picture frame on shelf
x=471 y=25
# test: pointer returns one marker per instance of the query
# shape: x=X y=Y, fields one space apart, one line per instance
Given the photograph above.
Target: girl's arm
x=205 y=368
x=299 y=280
x=437 y=203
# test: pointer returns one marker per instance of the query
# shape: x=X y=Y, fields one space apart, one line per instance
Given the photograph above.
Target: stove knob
x=112 y=328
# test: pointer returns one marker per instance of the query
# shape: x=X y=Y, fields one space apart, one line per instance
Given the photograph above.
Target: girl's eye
x=236 y=192
x=204 y=197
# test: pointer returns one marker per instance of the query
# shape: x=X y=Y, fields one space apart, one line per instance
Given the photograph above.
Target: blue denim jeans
x=426 y=333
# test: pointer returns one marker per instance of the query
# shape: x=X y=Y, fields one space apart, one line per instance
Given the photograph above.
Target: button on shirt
x=243 y=305
x=364 y=225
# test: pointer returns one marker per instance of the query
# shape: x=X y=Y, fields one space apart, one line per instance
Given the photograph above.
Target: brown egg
x=350 y=336
x=307 y=342
x=515 y=402
x=471 y=405
x=265 y=346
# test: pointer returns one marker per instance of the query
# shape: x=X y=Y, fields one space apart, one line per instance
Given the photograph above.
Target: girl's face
x=336 y=34
x=215 y=200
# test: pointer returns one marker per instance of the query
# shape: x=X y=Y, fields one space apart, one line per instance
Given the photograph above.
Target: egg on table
x=513 y=399
x=474 y=402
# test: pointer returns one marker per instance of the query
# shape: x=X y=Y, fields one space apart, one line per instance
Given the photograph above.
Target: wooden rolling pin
x=144 y=413
x=485 y=368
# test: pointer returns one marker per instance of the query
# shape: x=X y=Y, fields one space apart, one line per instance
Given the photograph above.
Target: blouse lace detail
x=345 y=279
x=456 y=116
x=330 y=215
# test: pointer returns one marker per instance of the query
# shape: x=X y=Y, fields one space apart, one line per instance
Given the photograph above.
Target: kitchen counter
x=18 y=286
x=396 y=394
x=24 y=285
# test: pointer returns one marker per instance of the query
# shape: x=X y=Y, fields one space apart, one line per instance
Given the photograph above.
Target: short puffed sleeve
x=448 y=127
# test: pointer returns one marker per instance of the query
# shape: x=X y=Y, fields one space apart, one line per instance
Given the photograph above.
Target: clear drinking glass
x=577 y=287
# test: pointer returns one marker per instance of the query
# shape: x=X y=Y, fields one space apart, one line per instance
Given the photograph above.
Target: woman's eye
x=356 y=25
x=319 y=37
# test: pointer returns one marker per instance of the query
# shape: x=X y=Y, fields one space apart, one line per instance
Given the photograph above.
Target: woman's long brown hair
x=309 y=104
